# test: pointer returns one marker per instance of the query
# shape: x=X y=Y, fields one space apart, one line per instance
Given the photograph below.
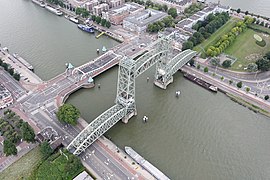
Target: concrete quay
x=27 y=76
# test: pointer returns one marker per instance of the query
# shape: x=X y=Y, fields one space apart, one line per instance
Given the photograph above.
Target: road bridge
x=168 y=63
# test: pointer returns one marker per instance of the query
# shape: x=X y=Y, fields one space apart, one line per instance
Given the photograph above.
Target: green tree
x=68 y=113
x=221 y=78
x=191 y=62
x=93 y=17
x=172 y=12
x=246 y=13
x=230 y=81
x=239 y=85
x=103 y=22
x=108 y=24
x=198 y=66
x=98 y=19
x=263 y=64
x=9 y=148
x=17 y=76
x=187 y=45
x=205 y=69
x=247 y=89
x=227 y=63
x=45 y=149
x=165 y=7
x=238 y=10
x=28 y=133
x=266 y=97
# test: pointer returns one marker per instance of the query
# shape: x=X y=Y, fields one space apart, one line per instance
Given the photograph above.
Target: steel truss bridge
x=168 y=63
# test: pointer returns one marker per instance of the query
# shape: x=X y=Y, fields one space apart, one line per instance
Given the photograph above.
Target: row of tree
x=227 y=39
x=160 y=25
x=13 y=129
x=82 y=12
x=205 y=28
x=102 y=22
x=10 y=70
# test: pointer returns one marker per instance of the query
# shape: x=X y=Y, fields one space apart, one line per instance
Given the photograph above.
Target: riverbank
x=248 y=100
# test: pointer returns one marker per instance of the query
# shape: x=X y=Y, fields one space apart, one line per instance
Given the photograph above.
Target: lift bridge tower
x=126 y=87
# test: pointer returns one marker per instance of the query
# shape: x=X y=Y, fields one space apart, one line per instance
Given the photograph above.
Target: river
x=199 y=135
x=261 y=7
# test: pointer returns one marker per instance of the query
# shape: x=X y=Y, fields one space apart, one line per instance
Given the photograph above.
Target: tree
x=191 y=62
x=246 y=13
x=263 y=64
x=28 y=133
x=9 y=148
x=165 y=7
x=266 y=97
x=198 y=66
x=187 y=45
x=239 y=84
x=267 y=55
x=98 y=19
x=108 y=24
x=227 y=63
x=230 y=81
x=221 y=78
x=68 y=113
x=93 y=17
x=45 y=149
x=172 y=12
x=238 y=10
x=215 y=61
x=205 y=69
x=103 y=22
x=17 y=76
x=247 y=89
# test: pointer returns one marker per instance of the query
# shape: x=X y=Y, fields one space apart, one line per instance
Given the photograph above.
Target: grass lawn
x=23 y=167
x=246 y=50
x=215 y=37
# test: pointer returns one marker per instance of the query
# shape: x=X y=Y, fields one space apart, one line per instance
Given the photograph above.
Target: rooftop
x=145 y=17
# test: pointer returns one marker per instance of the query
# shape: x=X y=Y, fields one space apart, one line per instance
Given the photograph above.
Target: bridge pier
x=162 y=84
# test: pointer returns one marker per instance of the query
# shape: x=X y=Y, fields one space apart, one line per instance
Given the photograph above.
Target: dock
x=100 y=35
x=23 y=61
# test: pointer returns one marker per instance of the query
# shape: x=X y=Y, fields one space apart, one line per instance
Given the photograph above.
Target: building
x=6 y=98
x=117 y=15
x=115 y=3
x=186 y=24
x=98 y=9
x=139 y=21
x=83 y=176
x=89 y=6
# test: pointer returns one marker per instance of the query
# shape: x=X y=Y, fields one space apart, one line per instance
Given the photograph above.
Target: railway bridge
x=168 y=62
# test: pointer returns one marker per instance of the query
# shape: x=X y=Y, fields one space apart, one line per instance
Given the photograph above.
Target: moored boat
x=53 y=10
x=86 y=28
x=73 y=19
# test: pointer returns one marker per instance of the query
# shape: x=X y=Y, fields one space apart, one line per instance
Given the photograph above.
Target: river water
x=261 y=7
x=199 y=135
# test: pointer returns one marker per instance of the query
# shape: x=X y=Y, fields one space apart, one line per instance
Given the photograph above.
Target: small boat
x=145 y=118
x=86 y=28
x=104 y=49
x=42 y=4
x=177 y=93
x=75 y=20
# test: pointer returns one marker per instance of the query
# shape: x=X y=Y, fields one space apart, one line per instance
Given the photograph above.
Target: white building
x=139 y=22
